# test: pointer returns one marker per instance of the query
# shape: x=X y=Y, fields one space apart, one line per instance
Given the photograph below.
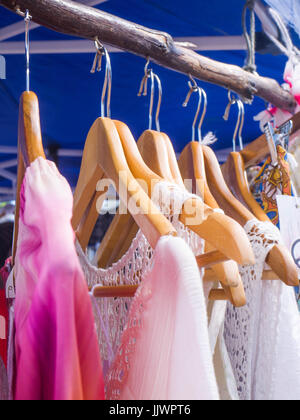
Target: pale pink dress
x=56 y=348
x=165 y=351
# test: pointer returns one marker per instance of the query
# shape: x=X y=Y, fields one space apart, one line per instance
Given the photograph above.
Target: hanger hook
x=107 y=85
x=242 y=108
x=149 y=74
x=202 y=116
x=194 y=88
x=240 y=121
x=27 y=19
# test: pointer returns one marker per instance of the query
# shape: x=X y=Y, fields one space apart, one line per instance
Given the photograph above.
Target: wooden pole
x=75 y=19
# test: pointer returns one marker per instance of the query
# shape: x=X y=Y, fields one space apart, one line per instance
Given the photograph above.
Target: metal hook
x=27 y=19
x=240 y=121
x=97 y=64
x=242 y=110
x=159 y=102
x=144 y=84
x=194 y=88
x=149 y=74
x=200 y=138
x=107 y=85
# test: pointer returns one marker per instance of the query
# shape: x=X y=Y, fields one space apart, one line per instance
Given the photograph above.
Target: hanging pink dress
x=56 y=348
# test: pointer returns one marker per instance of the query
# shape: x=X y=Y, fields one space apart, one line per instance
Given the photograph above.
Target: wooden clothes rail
x=75 y=19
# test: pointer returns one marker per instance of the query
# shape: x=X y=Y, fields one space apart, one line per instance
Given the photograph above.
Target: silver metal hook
x=144 y=84
x=200 y=138
x=27 y=19
x=97 y=64
x=240 y=121
x=159 y=102
x=242 y=110
x=194 y=88
x=149 y=74
x=107 y=85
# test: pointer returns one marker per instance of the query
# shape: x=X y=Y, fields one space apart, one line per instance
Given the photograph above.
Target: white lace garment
x=263 y=337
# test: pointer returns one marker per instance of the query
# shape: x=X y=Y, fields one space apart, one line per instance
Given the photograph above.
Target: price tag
x=10 y=286
x=289 y=216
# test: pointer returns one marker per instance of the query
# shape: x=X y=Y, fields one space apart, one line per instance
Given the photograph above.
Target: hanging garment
x=263 y=338
x=56 y=349
x=222 y=364
x=165 y=352
x=4 y=317
x=272 y=181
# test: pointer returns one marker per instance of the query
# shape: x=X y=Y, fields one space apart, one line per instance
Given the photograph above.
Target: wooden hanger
x=158 y=154
x=234 y=173
x=279 y=259
x=210 y=259
x=97 y=161
x=103 y=157
x=234 y=295
x=226 y=272
x=138 y=168
x=30 y=147
x=224 y=229
x=228 y=237
x=144 y=173
x=234 y=169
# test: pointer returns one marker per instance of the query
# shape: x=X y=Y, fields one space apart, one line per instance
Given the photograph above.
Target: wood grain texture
x=75 y=19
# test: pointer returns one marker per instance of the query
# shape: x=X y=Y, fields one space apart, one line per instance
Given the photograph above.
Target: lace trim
x=251 y=331
x=118 y=374
x=132 y=268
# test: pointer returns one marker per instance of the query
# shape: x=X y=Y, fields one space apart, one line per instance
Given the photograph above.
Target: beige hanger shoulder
x=159 y=149
x=30 y=146
x=235 y=176
x=103 y=157
x=191 y=166
x=111 y=238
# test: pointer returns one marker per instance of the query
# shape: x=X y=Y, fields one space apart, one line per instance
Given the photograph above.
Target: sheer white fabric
x=223 y=369
x=165 y=352
x=263 y=338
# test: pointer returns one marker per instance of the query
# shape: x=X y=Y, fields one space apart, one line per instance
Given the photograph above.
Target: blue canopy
x=70 y=95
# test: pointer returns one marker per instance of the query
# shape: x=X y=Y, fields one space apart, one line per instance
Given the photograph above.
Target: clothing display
x=138 y=263
x=56 y=348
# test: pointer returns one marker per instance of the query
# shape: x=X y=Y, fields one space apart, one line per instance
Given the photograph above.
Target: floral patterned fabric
x=272 y=181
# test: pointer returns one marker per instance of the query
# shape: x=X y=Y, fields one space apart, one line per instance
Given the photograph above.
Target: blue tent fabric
x=70 y=96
